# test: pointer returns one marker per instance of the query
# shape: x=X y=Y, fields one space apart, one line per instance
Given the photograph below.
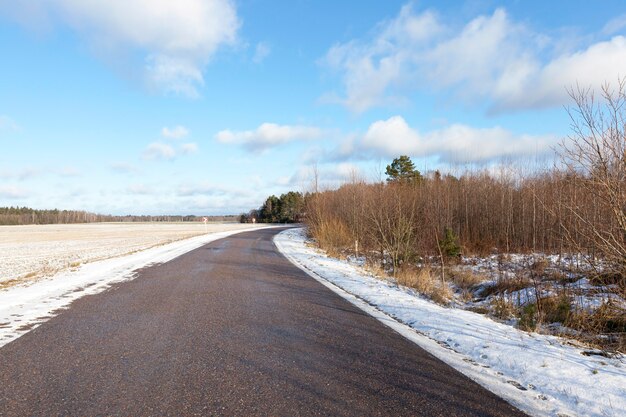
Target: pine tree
x=402 y=170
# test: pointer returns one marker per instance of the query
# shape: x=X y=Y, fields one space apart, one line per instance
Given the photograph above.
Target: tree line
x=288 y=208
x=26 y=216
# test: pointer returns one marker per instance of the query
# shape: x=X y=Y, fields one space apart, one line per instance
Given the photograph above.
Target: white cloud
x=189 y=148
x=454 y=144
x=175 y=38
x=12 y=192
x=174 y=75
x=177 y=132
x=371 y=68
x=158 y=150
x=268 y=135
x=533 y=86
x=490 y=57
x=261 y=52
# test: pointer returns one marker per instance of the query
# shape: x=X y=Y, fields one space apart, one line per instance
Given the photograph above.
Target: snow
x=540 y=374
x=33 y=251
x=27 y=305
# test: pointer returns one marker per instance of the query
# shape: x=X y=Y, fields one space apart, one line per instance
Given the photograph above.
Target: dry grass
x=425 y=282
x=465 y=279
x=420 y=279
x=332 y=235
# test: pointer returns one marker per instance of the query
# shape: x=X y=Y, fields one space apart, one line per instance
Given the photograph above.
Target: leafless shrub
x=502 y=308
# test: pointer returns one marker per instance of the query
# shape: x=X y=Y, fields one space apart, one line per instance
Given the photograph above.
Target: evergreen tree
x=291 y=205
x=450 y=244
x=402 y=170
x=270 y=211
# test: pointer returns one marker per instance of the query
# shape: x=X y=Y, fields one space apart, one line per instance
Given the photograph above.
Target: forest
x=26 y=215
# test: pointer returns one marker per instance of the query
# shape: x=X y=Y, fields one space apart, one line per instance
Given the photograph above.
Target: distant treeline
x=288 y=208
x=26 y=215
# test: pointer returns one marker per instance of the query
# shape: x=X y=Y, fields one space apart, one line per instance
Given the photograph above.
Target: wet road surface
x=229 y=329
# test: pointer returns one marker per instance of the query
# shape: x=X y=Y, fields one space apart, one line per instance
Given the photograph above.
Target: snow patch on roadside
x=540 y=374
x=24 y=307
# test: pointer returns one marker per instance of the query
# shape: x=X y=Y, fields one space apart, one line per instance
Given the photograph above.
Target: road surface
x=232 y=329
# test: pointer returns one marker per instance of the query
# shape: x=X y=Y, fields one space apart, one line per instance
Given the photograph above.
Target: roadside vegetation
x=543 y=249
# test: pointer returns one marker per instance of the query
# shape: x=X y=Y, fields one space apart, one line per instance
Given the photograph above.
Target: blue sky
x=209 y=106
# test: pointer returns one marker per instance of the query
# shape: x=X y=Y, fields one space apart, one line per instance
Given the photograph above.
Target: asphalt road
x=232 y=329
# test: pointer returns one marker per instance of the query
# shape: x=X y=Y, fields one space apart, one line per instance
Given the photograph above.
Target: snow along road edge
x=550 y=395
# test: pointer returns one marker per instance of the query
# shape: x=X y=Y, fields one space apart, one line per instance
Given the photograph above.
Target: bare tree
x=595 y=155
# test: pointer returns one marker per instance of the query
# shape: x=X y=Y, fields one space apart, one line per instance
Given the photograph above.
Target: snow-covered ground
x=33 y=251
x=26 y=305
x=542 y=375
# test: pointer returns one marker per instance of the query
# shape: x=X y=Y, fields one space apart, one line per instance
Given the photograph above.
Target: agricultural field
x=35 y=251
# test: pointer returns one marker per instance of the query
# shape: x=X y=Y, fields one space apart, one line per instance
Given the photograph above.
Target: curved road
x=232 y=329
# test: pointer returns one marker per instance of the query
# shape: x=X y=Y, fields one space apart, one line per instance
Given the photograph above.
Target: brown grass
x=420 y=279
x=425 y=282
x=332 y=235
x=465 y=279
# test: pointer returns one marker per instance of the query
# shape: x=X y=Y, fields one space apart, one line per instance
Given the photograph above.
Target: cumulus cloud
x=490 y=57
x=371 y=68
x=177 y=132
x=454 y=144
x=547 y=85
x=268 y=135
x=158 y=150
x=175 y=39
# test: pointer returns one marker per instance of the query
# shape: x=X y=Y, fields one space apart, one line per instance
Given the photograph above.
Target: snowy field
x=26 y=305
x=35 y=251
x=542 y=375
